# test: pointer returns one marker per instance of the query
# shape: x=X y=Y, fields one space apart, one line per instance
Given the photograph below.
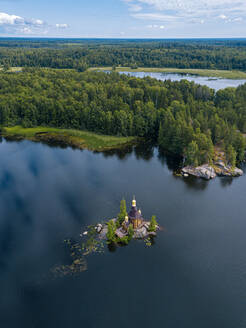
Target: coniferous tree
x=153 y=224
x=123 y=212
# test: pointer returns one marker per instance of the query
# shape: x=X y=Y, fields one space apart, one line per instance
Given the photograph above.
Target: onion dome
x=134 y=212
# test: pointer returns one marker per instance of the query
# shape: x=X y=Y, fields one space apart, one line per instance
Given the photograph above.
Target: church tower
x=135 y=215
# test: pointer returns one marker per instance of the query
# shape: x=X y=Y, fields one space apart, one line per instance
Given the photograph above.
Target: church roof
x=134 y=213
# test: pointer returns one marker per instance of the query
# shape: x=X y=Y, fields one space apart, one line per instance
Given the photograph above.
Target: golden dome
x=134 y=203
x=126 y=218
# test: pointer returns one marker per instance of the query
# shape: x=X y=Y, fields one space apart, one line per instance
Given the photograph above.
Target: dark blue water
x=194 y=275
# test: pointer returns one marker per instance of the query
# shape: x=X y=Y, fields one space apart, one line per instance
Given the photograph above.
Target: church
x=134 y=216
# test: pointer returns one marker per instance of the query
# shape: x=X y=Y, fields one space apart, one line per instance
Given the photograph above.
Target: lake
x=211 y=82
x=193 y=276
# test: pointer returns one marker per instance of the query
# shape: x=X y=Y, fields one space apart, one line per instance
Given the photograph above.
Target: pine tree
x=231 y=156
x=130 y=232
x=123 y=212
x=191 y=154
x=111 y=237
x=153 y=224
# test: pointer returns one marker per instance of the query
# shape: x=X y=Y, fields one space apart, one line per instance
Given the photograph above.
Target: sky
x=123 y=18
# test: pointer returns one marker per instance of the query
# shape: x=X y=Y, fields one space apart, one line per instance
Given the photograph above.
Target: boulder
x=205 y=171
x=141 y=233
x=103 y=232
x=208 y=172
x=237 y=172
x=227 y=171
x=99 y=227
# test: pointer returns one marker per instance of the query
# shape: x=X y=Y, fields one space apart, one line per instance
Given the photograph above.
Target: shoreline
x=203 y=72
x=77 y=139
x=219 y=74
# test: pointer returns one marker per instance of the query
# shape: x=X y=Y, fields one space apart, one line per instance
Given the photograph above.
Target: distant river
x=194 y=276
x=211 y=82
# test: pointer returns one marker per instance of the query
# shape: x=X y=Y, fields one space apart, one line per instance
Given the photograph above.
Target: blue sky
x=123 y=18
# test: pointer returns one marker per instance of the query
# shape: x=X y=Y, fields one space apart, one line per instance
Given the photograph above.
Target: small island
x=127 y=226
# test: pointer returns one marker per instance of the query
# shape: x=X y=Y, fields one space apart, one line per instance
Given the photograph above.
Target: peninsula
x=68 y=137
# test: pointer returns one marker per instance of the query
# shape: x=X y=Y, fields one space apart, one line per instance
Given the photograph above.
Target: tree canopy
x=184 y=118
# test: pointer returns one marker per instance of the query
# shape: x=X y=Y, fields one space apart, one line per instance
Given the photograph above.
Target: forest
x=183 y=118
x=81 y=54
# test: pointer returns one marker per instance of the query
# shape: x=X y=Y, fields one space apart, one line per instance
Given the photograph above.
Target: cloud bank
x=189 y=11
x=14 y=24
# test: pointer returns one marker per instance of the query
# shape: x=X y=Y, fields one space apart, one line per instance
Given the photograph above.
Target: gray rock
x=228 y=171
x=204 y=171
x=103 y=232
x=141 y=233
x=238 y=172
x=99 y=227
x=220 y=164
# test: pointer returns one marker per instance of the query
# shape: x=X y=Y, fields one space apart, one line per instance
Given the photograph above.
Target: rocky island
x=127 y=226
x=208 y=171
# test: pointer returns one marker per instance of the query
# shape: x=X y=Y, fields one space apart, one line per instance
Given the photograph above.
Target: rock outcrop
x=204 y=171
x=227 y=171
x=208 y=172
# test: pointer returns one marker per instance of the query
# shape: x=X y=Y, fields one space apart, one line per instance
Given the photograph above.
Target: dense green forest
x=80 y=54
x=184 y=118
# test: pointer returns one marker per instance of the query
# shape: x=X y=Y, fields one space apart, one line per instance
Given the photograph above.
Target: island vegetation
x=126 y=226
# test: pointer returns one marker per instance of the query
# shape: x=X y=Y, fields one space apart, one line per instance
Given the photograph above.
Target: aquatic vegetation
x=92 y=244
x=114 y=232
x=78 y=265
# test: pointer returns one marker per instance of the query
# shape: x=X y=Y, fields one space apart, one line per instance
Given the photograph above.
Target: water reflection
x=226 y=181
x=143 y=150
x=214 y=83
x=173 y=163
x=195 y=183
x=48 y=194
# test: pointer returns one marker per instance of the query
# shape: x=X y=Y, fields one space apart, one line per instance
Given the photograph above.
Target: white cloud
x=135 y=8
x=62 y=25
x=6 y=19
x=26 y=30
x=223 y=16
x=13 y=24
x=156 y=26
x=153 y=16
x=194 y=5
x=189 y=11
x=38 y=22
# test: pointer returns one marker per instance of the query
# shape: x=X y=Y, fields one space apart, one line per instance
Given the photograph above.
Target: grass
x=75 y=138
x=201 y=72
x=13 y=69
